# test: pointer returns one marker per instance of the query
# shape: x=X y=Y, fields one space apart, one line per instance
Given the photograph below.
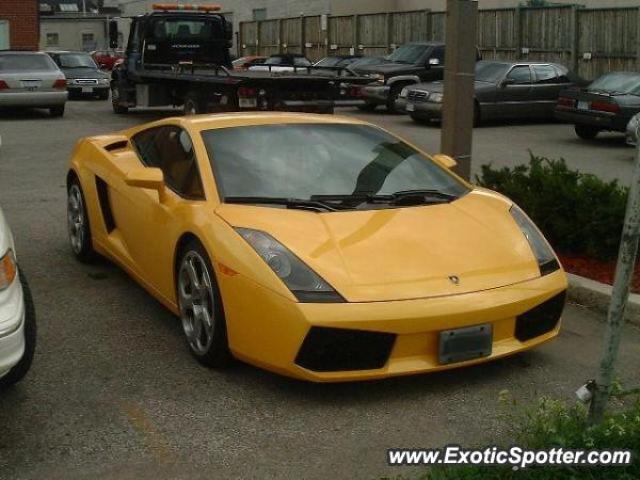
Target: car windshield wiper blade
x=403 y=197
x=298 y=203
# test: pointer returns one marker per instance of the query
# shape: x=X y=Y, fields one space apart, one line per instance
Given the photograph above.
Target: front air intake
x=541 y=319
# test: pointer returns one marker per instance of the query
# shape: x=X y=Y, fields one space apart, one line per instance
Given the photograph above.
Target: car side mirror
x=506 y=82
x=434 y=62
x=113 y=34
x=148 y=178
x=445 y=160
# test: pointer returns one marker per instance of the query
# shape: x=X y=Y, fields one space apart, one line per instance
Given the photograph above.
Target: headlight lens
x=404 y=93
x=435 y=97
x=70 y=82
x=539 y=246
x=8 y=270
x=303 y=282
x=378 y=77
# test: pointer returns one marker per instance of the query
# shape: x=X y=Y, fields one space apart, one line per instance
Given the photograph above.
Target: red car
x=106 y=59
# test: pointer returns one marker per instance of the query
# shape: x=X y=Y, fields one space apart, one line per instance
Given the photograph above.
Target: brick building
x=19 y=24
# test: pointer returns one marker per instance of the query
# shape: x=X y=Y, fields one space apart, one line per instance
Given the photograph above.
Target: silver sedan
x=32 y=80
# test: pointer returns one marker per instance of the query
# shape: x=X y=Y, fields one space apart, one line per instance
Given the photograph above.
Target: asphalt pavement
x=114 y=392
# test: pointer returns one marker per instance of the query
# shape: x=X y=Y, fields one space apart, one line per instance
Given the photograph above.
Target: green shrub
x=579 y=213
x=555 y=424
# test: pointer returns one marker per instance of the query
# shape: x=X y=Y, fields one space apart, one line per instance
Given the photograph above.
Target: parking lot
x=114 y=391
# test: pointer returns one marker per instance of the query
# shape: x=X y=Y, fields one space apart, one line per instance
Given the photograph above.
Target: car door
x=148 y=225
x=547 y=83
x=513 y=92
x=434 y=65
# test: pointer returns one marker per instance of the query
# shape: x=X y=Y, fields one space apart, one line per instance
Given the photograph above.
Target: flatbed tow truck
x=178 y=55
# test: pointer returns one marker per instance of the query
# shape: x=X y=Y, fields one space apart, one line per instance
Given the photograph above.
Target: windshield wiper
x=401 y=198
x=297 y=203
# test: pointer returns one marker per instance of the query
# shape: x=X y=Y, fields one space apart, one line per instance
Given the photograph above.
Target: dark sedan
x=502 y=90
x=84 y=77
x=607 y=104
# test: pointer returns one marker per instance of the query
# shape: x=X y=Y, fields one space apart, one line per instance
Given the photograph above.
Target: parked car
x=407 y=65
x=31 y=80
x=362 y=61
x=243 y=63
x=17 y=313
x=338 y=61
x=106 y=59
x=362 y=256
x=502 y=90
x=84 y=77
x=286 y=62
x=607 y=104
x=632 y=130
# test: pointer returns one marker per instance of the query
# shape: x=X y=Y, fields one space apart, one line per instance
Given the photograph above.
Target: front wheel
x=586 y=132
x=200 y=304
x=78 y=223
x=18 y=372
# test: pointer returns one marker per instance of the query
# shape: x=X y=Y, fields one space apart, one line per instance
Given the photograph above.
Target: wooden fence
x=589 y=41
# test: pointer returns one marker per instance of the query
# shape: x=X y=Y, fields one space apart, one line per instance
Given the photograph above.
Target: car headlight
x=435 y=97
x=547 y=261
x=70 y=82
x=8 y=270
x=404 y=93
x=103 y=81
x=378 y=77
x=304 y=283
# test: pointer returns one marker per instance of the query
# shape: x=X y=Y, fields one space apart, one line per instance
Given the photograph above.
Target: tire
x=57 y=111
x=200 y=303
x=586 y=132
x=115 y=101
x=193 y=105
x=78 y=226
x=103 y=95
x=19 y=371
x=367 y=107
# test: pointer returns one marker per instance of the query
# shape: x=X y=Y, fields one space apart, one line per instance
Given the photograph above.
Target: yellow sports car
x=318 y=247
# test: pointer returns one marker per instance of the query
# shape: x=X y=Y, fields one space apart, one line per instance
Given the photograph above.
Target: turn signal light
x=167 y=7
x=60 y=84
x=247 y=92
x=8 y=270
x=3 y=85
x=605 y=107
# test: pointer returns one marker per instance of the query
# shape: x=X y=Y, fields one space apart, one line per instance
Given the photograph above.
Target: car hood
x=469 y=245
x=71 y=73
x=388 y=68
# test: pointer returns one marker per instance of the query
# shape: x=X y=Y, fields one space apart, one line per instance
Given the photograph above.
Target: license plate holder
x=583 y=105
x=87 y=89
x=410 y=107
x=467 y=343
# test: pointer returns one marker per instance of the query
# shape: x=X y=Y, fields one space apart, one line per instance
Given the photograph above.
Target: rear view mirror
x=506 y=82
x=113 y=34
x=445 y=160
x=434 y=62
x=149 y=178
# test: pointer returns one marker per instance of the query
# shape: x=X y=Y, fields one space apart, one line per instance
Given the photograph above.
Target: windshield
x=76 y=60
x=490 y=71
x=304 y=160
x=26 y=63
x=617 y=83
x=410 y=53
x=178 y=29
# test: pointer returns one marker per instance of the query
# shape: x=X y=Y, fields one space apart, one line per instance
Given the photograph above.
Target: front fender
x=406 y=79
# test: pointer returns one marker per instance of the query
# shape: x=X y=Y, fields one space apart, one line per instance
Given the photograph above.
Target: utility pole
x=459 y=74
x=619 y=296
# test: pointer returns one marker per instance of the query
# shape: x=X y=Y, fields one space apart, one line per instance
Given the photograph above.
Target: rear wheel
x=18 y=372
x=586 y=132
x=200 y=304
x=57 y=111
x=78 y=223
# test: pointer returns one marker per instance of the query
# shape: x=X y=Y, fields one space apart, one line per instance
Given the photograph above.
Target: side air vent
x=105 y=204
x=116 y=146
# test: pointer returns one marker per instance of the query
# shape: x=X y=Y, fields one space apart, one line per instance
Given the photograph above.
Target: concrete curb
x=596 y=296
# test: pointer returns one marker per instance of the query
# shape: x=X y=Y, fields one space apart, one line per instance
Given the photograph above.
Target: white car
x=17 y=314
x=632 y=130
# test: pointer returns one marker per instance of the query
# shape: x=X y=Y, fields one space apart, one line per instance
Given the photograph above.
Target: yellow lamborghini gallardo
x=319 y=247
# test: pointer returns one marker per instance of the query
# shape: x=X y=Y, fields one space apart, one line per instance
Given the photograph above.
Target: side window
x=170 y=149
x=563 y=75
x=520 y=74
x=545 y=74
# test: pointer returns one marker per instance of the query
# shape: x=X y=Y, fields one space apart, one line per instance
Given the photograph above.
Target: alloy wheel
x=76 y=218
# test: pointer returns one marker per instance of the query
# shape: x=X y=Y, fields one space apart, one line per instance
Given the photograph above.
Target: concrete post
x=619 y=297
x=459 y=73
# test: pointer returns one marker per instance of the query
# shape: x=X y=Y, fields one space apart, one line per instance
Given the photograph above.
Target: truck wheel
x=115 y=101
x=586 y=132
x=193 y=105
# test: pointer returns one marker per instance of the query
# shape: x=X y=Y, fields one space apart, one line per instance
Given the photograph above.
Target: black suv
x=411 y=63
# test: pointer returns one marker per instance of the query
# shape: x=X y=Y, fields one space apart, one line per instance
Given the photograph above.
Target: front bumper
x=269 y=331
x=33 y=99
x=12 y=315
x=602 y=120
x=375 y=94
x=426 y=110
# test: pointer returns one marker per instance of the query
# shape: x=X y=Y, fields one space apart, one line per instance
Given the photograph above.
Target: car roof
x=65 y=52
x=20 y=52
